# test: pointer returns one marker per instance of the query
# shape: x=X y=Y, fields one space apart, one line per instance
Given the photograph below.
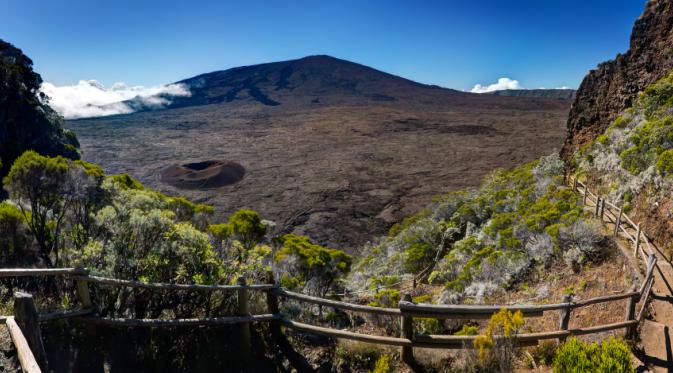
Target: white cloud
x=89 y=98
x=503 y=83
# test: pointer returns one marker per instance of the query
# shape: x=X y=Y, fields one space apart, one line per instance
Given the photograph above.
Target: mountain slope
x=328 y=148
x=321 y=80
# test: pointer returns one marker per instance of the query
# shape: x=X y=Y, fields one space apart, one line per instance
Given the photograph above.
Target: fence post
x=631 y=312
x=635 y=250
x=619 y=220
x=574 y=184
x=245 y=327
x=26 y=317
x=274 y=309
x=586 y=192
x=407 y=331
x=598 y=205
x=564 y=315
x=602 y=208
x=83 y=289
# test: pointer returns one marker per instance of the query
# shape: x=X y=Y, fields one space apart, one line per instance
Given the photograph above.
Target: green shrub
x=358 y=356
x=386 y=298
x=665 y=162
x=14 y=234
x=611 y=356
x=125 y=181
x=544 y=353
x=468 y=329
x=429 y=326
x=308 y=260
x=383 y=365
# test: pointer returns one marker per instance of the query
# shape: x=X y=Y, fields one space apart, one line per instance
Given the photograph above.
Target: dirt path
x=654 y=351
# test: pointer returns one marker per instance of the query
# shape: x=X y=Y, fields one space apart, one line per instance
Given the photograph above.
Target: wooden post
x=243 y=310
x=407 y=331
x=598 y=205
x=274 y=309
x=575 y=184
x=619 y=221
x=637 y=246
x=564 y=315
x=26 y=317
x=25 y=355
x=631 y=312
x=602 y=208
x=586 y=192
x=83 y=290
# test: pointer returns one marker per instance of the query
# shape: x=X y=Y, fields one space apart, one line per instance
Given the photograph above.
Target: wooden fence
x=32 y=358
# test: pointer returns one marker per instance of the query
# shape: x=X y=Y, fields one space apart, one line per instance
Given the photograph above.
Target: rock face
x=614 y=85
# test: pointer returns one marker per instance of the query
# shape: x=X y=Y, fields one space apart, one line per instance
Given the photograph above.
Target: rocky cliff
x=614 y=85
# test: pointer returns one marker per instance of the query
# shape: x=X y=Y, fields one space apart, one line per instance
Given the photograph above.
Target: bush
x=383 y=365
x=14 y=234
x=468 y=329
x=665 y=162
x=611 y=356
x=429 y=326
x=358 y=356
x=544 y=353
x=306 y=262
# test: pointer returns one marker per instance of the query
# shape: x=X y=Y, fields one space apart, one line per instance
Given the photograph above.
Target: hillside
x=614 y=85
x=329 y=148
x=25 y=121
x=619 y=141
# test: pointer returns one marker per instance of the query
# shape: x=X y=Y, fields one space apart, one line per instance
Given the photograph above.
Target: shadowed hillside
x=330 y=148
x=25 y=121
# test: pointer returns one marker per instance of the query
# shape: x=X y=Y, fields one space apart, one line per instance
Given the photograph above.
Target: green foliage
x=358 y=356
x=383 y=365
x=27 y=122
x=408 y=221
x=389 y=298
x=665 y=162
x=246 y=227
x=482 y=237
x=14 y=235
x=145 y=240
x=658 y=97
x=468 y=329
x=312 y=261
x=429 y=326
x=575 y=356
x=125 y=181
x=40 y=182
x=544 y=353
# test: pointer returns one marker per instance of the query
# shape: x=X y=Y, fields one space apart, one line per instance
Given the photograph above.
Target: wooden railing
x=406 y=311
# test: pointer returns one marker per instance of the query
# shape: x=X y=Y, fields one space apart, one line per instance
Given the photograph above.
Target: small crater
x=203 y=175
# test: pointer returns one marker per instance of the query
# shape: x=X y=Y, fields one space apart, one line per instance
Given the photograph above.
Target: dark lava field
x=324 y=147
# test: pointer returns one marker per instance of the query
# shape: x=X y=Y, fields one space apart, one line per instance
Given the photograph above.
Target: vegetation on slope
x=69 y=213
x=26 y=121
x=476 y=241
x=636 y=152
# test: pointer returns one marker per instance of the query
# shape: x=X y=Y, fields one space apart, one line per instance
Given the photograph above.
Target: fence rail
x=406 y=310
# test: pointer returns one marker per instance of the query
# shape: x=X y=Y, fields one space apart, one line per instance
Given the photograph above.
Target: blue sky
x=455 y=44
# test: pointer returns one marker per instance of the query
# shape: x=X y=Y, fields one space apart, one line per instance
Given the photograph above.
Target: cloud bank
x=503 y=83
x=89 y=98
